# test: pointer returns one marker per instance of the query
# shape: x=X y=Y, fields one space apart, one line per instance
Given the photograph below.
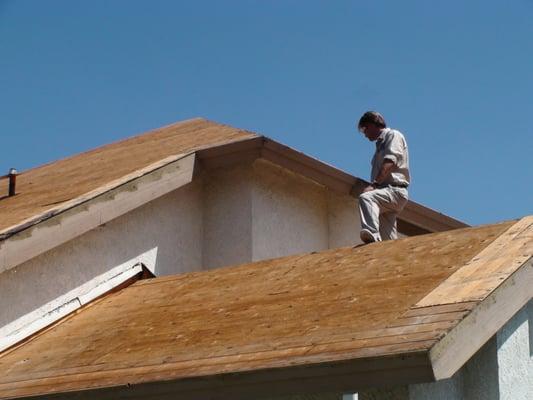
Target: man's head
x=371 y=124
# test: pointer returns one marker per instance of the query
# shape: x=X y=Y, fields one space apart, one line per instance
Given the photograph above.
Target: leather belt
x=400 y=185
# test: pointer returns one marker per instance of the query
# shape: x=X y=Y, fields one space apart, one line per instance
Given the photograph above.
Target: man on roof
x=382 y=201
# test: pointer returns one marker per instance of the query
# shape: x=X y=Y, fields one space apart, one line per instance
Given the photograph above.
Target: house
x=296 y=310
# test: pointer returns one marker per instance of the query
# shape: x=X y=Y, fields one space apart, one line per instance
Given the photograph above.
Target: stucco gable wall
x=227 y=221
x=260 y=210
x=515 y=356
x=289 y=213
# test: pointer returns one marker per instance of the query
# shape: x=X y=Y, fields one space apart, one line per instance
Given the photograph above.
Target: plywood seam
x=497 y=250
x=415 y=307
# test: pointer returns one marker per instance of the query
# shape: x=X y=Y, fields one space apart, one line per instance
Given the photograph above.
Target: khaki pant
x=378 y=210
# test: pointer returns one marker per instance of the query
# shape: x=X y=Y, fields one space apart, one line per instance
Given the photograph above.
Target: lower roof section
x=336 y=320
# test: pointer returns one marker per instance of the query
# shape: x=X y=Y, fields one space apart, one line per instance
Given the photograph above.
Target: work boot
x=366 y=236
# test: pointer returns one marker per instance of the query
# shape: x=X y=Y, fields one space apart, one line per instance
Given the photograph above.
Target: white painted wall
x=262 y=211
x=289 y=213
x=343 y=221
x=515 y=356
x=227 y=208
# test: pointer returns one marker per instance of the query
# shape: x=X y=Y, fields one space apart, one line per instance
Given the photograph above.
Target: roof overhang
x=347 y=376
x=500 y=280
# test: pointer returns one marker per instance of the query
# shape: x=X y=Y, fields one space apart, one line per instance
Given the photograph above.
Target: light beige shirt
x=391 y=145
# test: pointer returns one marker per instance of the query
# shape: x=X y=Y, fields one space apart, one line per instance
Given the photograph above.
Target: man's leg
x=389 y=213
x=387 y=226
x=380 y=201
x=369 y=215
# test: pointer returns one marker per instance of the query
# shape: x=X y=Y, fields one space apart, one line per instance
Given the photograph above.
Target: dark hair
x=372 y=117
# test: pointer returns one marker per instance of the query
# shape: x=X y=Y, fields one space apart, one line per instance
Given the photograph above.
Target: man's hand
x=385 y=171
x=368 y=188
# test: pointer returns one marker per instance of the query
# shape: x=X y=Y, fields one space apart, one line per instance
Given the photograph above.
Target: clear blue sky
x=455 y=76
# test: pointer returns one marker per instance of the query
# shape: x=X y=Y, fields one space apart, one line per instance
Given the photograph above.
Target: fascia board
x=342 y=376
x=429 y=219
x=86 y=212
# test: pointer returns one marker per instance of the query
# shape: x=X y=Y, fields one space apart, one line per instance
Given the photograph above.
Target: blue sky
x=456 y=77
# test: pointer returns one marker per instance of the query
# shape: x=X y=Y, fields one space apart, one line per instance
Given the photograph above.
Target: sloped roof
x=64 y=199
x=408 y=310
x=47 y=187
x=44 y=191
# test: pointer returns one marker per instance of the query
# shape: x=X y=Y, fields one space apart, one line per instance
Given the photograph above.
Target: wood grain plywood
x=317 y=308
x=42 y=189
x=488 y=269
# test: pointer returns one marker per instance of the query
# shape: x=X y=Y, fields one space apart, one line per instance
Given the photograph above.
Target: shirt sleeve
x=393 y=147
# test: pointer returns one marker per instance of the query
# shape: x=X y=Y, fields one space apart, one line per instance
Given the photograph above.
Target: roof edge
x=86 y=212
x=333 y=376
x=69 y=204
x=496 y=262
x=484 y=321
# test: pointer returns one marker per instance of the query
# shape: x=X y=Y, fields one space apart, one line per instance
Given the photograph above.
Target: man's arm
x=384 y=172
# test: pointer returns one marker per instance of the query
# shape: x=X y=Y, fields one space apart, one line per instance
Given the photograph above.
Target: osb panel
x=488 y=269
x=323 y=307
x=44 y=188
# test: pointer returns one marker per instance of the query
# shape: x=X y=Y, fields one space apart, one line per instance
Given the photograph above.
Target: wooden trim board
x=465 y=339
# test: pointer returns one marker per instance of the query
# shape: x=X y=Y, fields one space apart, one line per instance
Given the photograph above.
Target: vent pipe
x=12 y=181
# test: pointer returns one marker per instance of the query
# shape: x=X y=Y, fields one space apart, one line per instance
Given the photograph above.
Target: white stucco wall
x=343 y=221
x=289 y=213
x=260 y=211
x=227 y=205
x=515 y=356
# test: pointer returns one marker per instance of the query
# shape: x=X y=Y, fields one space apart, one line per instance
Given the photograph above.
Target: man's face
x=371 y=131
